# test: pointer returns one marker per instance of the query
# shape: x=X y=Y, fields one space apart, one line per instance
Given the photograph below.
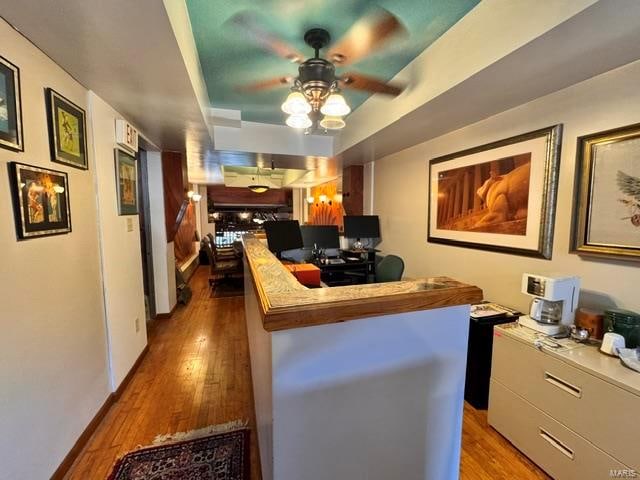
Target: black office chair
x=390 y=269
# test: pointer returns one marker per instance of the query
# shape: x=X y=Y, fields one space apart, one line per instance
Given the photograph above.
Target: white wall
x=204 y=214
x=164 y=262
x=121 y=252
x=53 y=352
x=401 y=187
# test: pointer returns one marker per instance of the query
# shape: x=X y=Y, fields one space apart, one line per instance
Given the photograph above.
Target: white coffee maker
x=554 y=303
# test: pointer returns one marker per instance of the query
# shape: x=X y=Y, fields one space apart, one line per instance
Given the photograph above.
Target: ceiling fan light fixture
x=335 y=106
x=299 y=121
x=332 y=123
x=296 y=104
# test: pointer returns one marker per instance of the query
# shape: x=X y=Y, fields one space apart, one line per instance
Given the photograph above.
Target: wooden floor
x=196 y=374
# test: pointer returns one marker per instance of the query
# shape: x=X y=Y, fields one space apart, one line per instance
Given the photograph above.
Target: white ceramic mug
x=611 y=343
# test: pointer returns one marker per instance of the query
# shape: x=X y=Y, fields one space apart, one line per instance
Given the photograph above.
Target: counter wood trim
x=285 y=303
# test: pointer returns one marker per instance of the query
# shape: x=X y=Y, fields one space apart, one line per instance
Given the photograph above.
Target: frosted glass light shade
x=258 y=188
x=332 y=123
x=296 y=104
x=335 y=106
x=299 y=121
x=310 y=199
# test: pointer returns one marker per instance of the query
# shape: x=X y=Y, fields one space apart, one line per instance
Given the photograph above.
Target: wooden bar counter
x=356 y=382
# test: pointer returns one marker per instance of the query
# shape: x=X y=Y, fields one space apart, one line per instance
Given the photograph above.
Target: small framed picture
x=10 y=107
x=500 y=196
x=40 y=201
x=67 y=131
x=126 y=183
x=606 y=210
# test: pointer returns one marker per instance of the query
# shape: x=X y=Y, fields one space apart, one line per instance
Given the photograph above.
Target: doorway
x=145 y=236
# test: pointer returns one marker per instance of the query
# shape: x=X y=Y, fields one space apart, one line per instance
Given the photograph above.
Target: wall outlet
x=137 y=323
x=129 y=225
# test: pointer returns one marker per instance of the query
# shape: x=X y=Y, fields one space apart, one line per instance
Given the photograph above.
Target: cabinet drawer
x=601 y=412
x=557 y=450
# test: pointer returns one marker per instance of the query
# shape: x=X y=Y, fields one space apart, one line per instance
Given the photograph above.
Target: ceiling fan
x=315 y=100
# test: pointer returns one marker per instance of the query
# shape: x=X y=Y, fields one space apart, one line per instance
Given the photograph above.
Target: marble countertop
x=285 y=303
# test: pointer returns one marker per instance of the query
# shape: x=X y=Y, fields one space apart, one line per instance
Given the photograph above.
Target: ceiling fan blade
x=248 y=22
x=357 y=81
x=266 y=84
x=366 y=36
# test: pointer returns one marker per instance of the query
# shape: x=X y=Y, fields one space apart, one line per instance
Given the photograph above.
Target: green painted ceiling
x=229 y=58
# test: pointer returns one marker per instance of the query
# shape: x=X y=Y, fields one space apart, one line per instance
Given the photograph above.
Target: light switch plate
x=129 y=224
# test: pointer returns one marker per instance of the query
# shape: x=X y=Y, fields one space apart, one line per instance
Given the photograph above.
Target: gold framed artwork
x=500 y=196
x=606 y=209
x=67 y=131
x=126 y=183
x=40 y=201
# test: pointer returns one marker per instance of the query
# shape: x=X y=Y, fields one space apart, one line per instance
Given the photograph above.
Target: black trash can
x=476 y=387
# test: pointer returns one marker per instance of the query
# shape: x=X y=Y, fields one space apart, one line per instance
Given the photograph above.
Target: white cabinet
x=571 y=423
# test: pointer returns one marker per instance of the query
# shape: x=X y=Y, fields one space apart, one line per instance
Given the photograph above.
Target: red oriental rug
x=189 y=456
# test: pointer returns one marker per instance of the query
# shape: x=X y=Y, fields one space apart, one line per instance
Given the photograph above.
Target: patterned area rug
x=189 y=456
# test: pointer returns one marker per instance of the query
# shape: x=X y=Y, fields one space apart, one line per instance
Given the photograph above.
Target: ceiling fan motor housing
x=316 y=76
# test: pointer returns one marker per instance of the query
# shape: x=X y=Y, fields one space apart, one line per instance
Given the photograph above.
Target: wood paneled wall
x=352 y=189
x=221 y=194
x=183 y=242
x=175 y=184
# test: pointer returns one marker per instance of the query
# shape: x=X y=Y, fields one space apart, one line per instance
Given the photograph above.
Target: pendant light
x=258 y=187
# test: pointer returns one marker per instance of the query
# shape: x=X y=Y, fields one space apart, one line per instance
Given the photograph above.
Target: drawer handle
x=557 y=444
x=562 y=385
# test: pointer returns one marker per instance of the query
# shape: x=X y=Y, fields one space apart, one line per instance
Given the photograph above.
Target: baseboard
x=68 y=460
x=166 y=316
x=118 y=393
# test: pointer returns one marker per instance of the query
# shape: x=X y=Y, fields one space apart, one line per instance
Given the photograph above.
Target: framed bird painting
x=67 y=131
x=607 y=196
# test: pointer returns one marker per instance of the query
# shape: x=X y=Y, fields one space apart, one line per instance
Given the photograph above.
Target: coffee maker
x=554 y=303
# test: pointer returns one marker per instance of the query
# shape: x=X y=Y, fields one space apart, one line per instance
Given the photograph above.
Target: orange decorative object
x=329 y=212
x=306 y=273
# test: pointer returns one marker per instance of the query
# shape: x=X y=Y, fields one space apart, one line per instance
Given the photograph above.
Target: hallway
x=196 y=373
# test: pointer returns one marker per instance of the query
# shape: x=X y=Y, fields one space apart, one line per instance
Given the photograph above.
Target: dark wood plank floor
x=197 y=373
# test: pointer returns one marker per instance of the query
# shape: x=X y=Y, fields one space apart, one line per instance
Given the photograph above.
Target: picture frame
x=67 y=131
x=126 y=182
x=500 y=196
x=11 y=135
x=40 y=201
x=606 y=208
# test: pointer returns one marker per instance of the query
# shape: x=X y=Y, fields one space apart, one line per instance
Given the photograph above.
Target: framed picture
x=40 y=201
x=10 y=107
x=606 y=209
x=67 y=131
x=126 y=183
x=500 y=196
